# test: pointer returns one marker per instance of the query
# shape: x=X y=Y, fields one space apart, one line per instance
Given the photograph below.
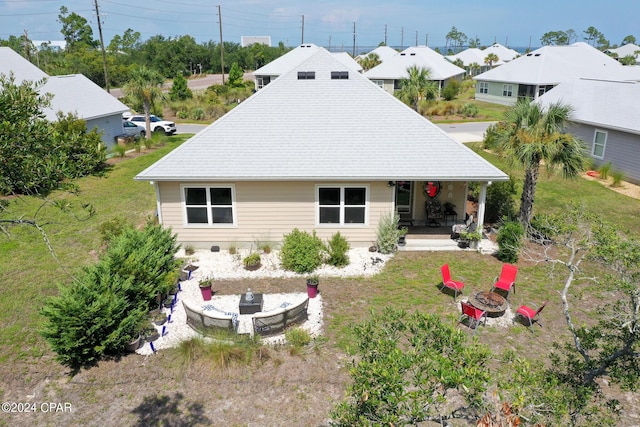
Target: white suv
x=157 y=124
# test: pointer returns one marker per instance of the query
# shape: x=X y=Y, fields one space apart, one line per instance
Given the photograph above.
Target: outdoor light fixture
x=391 y=183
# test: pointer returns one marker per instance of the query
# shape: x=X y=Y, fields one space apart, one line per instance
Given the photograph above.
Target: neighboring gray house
x=533 y=74
x=390 y=73
x=320 y=148
x=606 y=117
x=71 y=94
x=269 y=72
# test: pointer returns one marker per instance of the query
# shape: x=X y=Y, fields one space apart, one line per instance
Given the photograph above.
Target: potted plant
x=205 y=288
x=186 y=270
x=150 y=333
x=252 y=261
x=471 y=238
x=402 y=233
x=312 y=286
x=160 y=318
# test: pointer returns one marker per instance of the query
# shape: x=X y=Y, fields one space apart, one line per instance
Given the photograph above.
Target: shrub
x=470 y=110
x=617 y=178
x=252 y=259
x=197 y=114
x=301 y=252
x=604 y=170
x=119 y=150
x=337 y=249
x=112 y=228
x=500 y=202
x=297 y=337
x=451 y=90
x=388 y=233
x=509 y=241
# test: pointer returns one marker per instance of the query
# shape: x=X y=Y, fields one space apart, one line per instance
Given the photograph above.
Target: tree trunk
x=528 y=195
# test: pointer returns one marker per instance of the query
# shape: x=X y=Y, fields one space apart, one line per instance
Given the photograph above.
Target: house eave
x=322 y=178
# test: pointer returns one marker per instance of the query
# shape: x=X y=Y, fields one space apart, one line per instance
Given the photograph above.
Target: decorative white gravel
x=222 y=265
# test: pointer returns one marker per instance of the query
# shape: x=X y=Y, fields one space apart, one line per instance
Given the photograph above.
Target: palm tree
x=490 y=59
x=369 y=61
x=145 y=86
x=417 y=86
x=530 y=136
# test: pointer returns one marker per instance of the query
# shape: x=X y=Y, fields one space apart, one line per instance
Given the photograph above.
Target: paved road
x=196 y=83
x=461 y=132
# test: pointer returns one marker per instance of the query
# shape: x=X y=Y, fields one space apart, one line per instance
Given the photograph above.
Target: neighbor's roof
x=557 y=64
x=471 y=55
x=384 y=53
x=609 y=104
x=322 y=128
x=76 y=94
x=295 y=57
x=504 y=53
x=395 y=68
x=249 y=40
x=12 y=62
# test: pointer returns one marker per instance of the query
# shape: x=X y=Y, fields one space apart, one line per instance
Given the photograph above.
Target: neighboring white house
x=605 y=117
x=249 y=40
x=629 y=49
x=320 y=148
x=384 y=53
x=389 y=74
x=71 y=94
x=269 y=72
x=505 y=54
x=533 y=74
x=473 y=56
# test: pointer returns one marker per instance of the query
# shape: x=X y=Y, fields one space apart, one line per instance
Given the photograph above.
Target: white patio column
x=481 y=203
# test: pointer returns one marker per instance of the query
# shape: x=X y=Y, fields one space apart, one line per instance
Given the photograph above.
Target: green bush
x=604 y=170
x=297 y=337
x=97 y=314
x=197 y=114
x=337 y=249
x=112 y=228
x=509 y=241
x=451 y=90
x=500 y=202
x=301 y=252
x=388 y=233
x=617 y=176
x=119 y=150
x=469 y=110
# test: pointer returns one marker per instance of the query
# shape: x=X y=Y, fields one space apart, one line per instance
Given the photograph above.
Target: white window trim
x=507 y=90
x=484 y=87
x=341 y=224
x=379 y=83
x=604 y=144
x=186 y=224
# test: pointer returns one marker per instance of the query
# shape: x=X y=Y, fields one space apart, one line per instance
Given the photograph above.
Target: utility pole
x=385 y=35
x=353 y=53
x=426 y=40
x=329 y=42
x=221 y=44
x=27 y=50
x=104 y=55
x=402 y=39
x=416 y=38
x=302 y=30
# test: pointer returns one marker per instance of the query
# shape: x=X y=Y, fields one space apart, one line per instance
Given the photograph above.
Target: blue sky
x=330 y=22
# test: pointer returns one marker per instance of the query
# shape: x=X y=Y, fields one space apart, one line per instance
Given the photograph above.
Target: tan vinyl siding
x=266 y=211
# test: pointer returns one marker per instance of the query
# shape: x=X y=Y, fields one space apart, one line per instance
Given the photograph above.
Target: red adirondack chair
x=507 y=279
x=475 y=315
x=448 y=282
x=529 y=313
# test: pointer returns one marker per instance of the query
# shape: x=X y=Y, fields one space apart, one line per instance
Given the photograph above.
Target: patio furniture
x=433 y=209
x=448 y=282
x=456 y=229
x=275 y=321
x=507 y=279
x=474 y=314
x=491 y=302
x=532 y=315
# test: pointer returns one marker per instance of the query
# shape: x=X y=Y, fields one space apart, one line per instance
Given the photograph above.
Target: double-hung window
x=484 y=87
x=209 y=205
x=342 y=204
x=599 y=143
x=507 y=90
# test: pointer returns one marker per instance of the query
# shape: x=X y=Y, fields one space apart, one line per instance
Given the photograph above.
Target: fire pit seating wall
x=264 y=323
x=208 y=321
x=275 y=321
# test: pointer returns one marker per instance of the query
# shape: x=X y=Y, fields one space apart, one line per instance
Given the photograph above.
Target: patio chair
x=507 y=279
x=475 y=315
x=448 y=282
x=456 y=229
x=530 y=314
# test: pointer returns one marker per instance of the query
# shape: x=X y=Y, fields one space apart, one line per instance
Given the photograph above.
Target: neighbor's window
x=380 y=83
x=484 y=87
x=507 y=90
x=209 y=205
x=599 y=142
x=342 y=205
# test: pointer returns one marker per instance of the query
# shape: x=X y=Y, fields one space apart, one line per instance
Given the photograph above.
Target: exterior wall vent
x=339 y=75
x=306 y=75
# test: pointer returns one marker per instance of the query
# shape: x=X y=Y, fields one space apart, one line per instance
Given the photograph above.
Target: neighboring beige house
x=389 y=74
x=320 y=148
x=533 y=74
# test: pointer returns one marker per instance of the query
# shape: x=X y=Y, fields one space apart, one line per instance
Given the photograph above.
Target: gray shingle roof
x=556 y=64
x=293 y=58
x=395 y=68
x=471 y=55
x=346 y=129
x=614 y=105
x=11 y=61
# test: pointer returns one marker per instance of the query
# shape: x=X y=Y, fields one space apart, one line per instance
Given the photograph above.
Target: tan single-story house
x=321 y=149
